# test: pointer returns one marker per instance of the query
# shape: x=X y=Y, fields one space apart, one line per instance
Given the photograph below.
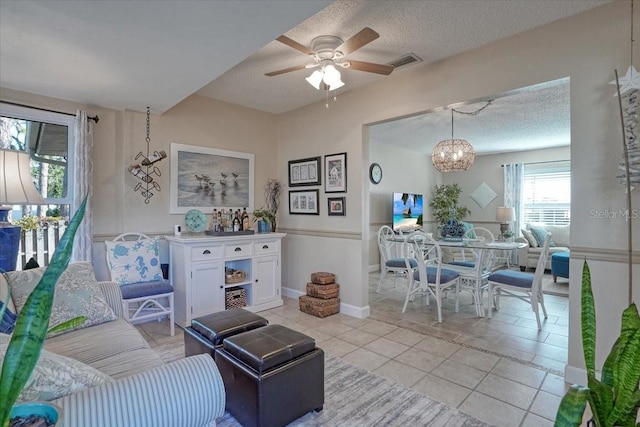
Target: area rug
x=355 y=397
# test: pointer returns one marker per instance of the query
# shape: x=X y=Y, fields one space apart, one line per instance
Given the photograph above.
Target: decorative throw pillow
x=134 y=261
x=77 y=294
x=56 y=376
x=468 y=226
x=540 y=235
x=530 y=238
x=8 y=320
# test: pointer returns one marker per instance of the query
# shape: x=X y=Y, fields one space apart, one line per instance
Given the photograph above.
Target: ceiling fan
x=327 y=52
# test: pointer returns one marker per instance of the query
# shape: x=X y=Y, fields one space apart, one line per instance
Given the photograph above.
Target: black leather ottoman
x=272 y=376
x=208 y=332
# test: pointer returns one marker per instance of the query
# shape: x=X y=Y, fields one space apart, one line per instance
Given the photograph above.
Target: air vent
x=405 y=60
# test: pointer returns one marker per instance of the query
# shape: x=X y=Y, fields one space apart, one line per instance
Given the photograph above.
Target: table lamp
x=505 y=216
x=16 y=188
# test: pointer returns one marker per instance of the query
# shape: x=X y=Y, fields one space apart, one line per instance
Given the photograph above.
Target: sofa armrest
x=522 y=252
x=112 y=294
x=185 y=393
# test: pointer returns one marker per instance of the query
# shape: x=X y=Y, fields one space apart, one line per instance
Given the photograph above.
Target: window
x=48 y=138
x=547 y=195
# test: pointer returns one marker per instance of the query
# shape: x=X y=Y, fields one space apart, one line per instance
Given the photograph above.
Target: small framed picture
x=304 y=202
x=335 y=173
x=304 y=172
x=335 y=206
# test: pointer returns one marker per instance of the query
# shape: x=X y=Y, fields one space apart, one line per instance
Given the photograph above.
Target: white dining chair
x=524 y=286
x=390 y=259
x=474 y=273
x=430 y=278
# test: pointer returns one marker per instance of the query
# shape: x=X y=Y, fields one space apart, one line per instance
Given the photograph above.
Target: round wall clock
x=375 y=173
x=195 y=221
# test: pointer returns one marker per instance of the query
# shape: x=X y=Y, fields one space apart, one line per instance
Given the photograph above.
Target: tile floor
x=516 y=384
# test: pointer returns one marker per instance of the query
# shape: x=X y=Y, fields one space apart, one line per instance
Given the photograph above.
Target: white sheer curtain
x=513 y=197
x=83 y=185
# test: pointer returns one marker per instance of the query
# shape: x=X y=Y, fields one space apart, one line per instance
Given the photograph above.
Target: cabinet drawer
x=270 y=247
x=203 y=253
x=236 y=250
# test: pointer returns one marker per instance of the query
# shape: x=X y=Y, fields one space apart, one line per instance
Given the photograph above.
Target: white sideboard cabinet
x=202 y=270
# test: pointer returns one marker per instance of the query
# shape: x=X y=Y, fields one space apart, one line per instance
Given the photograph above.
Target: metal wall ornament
x=146 y=170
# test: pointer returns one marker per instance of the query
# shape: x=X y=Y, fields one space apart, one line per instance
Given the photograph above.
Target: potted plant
x=444 y=202
x=32 y=325
x=264 y=217
x=614 y=399
x=272 y=191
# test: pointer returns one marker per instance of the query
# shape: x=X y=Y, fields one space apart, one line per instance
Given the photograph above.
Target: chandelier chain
x=148 y=139
x=471 y=113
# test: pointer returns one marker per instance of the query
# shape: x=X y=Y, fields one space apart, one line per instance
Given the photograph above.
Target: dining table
x=484 y=259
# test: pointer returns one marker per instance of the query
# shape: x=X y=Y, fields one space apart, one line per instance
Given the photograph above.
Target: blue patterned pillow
x=134 y=261
x=540 y=234
x=77 y=294
x=8 y=320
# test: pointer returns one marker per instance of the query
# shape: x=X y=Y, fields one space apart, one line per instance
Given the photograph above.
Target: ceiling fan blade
x=286 y=70
x=370 y=67
x=364 y=37
x=294 y=44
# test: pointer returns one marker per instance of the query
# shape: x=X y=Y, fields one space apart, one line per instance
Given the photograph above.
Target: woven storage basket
x=235 y=298
x=236 y=276
x=323 y=278
x=332 y=290
x=319 y=307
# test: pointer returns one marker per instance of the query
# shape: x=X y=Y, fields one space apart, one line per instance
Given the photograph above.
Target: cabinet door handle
x=237 y=249
x=206 y=252
x=256 y=280
x=221 y=287
x=265 y=246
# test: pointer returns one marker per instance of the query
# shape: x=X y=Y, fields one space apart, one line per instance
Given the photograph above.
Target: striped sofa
x=145 y=391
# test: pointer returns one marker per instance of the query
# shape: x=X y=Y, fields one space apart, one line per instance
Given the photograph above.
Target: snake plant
x=32 y=324
x=614 y=399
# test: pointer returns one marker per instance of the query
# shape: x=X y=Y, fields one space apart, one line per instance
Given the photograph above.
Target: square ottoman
x=206 y=333
x=560 y=265
x=272 y=375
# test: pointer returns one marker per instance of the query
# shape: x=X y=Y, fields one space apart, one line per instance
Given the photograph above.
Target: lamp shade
x=16 y=184
x=504 y=214
x=453 y=155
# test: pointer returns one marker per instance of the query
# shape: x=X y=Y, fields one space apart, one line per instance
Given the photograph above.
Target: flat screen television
x=407 y=212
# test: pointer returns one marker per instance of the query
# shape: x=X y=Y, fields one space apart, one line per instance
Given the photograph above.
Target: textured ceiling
x=530 y=118
x=129 y=54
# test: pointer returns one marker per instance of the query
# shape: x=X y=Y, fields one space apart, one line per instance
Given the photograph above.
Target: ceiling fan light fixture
x=315 y=79
x=336 y=85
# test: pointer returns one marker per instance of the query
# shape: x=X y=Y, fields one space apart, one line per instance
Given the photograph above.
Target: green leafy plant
x=444 y=203
x=614 y=399
x=32 y=324
x=263 y=214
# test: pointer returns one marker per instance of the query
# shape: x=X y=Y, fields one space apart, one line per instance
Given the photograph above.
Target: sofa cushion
x=134 y=261
x=6 y=294
x=533 y=242
x=115 y=348
x=540 y=234
x=561 y=234
x=77 y=294
x=55 y=376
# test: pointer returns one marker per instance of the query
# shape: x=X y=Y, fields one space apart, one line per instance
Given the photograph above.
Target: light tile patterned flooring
x=456 y=369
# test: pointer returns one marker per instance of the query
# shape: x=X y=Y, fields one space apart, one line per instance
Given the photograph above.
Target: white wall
x=488 y=169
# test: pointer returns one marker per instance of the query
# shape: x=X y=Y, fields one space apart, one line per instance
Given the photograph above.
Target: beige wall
x=487 y=169
x=586 y=48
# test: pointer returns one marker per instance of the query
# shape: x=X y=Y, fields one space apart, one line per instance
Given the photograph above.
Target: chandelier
x=455 y=155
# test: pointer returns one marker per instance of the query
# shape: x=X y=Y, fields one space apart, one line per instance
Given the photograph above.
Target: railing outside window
x=40 y=243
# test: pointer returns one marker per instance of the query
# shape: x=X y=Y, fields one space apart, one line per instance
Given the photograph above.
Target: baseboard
x=573 y=375
x=348 y=309
x=374 y=268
